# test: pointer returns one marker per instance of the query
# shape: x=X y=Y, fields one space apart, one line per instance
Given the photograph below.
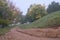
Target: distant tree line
x=54 y=6
x=37 y=11
x=9 y=13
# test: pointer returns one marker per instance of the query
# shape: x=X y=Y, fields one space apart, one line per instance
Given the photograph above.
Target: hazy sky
x=23 y=5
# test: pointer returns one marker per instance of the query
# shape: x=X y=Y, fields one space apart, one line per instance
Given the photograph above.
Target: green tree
x=54 y=6
x=23 y=19
x=16 y=13
x=5 y=13
x=35 y=12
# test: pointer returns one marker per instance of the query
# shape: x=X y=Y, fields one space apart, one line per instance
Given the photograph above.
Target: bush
x=4 y=23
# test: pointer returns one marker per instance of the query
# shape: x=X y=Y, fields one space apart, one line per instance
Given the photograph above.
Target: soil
x=32 y=34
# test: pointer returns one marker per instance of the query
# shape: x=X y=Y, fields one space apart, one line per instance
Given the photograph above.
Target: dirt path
x=18 y=34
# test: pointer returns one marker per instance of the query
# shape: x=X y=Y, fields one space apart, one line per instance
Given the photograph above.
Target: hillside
x=51 y=20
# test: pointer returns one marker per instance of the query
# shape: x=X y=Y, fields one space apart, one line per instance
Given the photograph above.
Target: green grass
x=50 y=20
x=4 y=30
x=24 y=26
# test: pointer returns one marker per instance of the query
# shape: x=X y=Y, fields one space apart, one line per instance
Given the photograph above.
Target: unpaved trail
x=18 y=34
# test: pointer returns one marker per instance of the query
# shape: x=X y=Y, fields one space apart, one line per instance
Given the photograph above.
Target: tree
x=4 y=9
x=9 y=13
x=5 y=13
x=35 y=12
x=54 y=6
x=23 y=19
x=16 y=13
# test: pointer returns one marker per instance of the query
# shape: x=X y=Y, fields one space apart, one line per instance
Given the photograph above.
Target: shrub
x=4 y=23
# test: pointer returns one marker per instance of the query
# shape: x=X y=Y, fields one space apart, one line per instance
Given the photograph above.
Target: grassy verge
x=23 y=26
x=4 y=30
x=51 y=20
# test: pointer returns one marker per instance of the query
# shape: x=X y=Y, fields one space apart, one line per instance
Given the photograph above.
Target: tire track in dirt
x=48 y=33
x=27 y=33
x=14 y=34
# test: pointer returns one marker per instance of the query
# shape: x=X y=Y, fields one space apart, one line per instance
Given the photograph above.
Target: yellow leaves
x=38 y=16
x=36 y=11
x=2 y=3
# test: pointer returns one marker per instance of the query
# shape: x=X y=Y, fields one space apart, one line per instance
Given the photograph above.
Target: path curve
x=14 y=34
